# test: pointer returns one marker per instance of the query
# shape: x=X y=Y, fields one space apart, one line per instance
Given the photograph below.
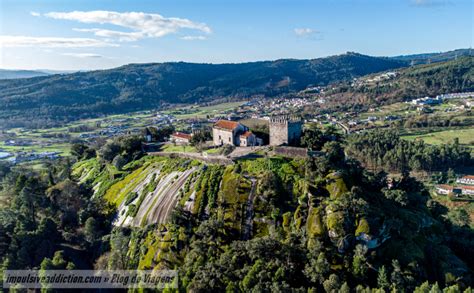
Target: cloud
x=141 y=25
x=304 y=31
x=194 y=38
x=35 y=14
x=121 y=36
x=308 y=33
x=52 y=42
x=82 y=55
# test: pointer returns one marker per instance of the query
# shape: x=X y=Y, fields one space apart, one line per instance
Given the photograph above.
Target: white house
x=447 y=189
x=227 y=132
x=469 y=180
x=180 y=138
x=467 y=190
x=248 y=139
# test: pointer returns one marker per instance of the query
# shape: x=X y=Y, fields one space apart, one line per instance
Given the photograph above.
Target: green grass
x=465 y=136
x=202 y=112
x=254 y=123
x=213 y=151
x=178 y=149
x=120 y=190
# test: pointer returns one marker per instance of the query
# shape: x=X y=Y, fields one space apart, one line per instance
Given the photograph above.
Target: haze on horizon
x=87 y=34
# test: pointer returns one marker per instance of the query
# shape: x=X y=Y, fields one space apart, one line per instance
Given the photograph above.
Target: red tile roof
x=467 y=187
x=445 y=186
x=468 y=177
x=226 y=124
x=246 y=134
x=181 y=135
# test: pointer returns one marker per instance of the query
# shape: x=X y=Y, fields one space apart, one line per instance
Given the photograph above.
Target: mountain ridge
x=147 y=86
x=20 y=73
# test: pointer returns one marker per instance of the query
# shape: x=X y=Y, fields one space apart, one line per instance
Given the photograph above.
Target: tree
x=118 y=259
x=313 y=138
x=382 y=279
x=109 y=151
x=332 y=285
x=317 y=269
x=200 y=137
x=459 y=217
x=397 y=276
x=396 y=195
x=91 y=230
x=334 y=152
x=78 y=150
x=359 y=261
x=119 y=161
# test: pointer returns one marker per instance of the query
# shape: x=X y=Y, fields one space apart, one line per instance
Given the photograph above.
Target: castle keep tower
x=285 y=130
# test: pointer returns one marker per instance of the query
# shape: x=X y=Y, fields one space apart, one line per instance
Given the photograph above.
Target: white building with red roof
x=447 y=189
x=180 y=138
x=467 y=190
x=248 y=139
x=233 y=133
x=468 y=179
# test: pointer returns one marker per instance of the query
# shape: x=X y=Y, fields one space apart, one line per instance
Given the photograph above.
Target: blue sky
x=93 y=34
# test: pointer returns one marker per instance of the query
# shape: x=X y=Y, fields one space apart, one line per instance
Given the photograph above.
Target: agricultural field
x=203 y=111
x=465 y=136
x=58 y=139
x=254 y=123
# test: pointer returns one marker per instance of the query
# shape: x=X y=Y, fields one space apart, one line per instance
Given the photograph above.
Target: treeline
x=436 y=121
x=385 y=150
x=47 y=220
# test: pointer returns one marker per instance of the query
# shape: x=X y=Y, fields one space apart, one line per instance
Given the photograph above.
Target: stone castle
x=285 y=130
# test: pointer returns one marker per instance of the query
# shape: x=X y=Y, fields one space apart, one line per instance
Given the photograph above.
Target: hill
x=13 y=74
x=256 y=225
x=146 y=86
x=413 y=82
x=434 y=57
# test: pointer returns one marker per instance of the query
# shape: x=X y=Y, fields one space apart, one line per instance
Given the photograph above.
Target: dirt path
x=202 y=157
x=247 y=230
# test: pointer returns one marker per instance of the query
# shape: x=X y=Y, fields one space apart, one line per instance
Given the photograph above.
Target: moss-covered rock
x=314 y=223
x=336 y=185
x=335 y=223
x=362 y=227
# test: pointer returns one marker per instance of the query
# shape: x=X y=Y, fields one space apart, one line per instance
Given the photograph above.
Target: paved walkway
x=198 y=156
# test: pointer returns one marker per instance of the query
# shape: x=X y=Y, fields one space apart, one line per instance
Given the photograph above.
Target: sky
x=97 y=34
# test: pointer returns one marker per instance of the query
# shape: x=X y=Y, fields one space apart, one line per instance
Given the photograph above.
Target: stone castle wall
x=278 y=133
x=285 y=131
x=294 y=133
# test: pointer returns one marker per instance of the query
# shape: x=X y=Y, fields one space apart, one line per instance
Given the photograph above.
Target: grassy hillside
x=414 y=82
x=434 y=57
x=312 y=222
x=146 y=86
x=263 y=224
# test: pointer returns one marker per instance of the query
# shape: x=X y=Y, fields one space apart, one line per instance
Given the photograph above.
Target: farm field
x=465 y=136
x=58 y=139
x=203 y=111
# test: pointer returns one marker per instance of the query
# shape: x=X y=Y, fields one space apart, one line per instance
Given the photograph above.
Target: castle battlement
x=285 y=130
x=285 y=119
